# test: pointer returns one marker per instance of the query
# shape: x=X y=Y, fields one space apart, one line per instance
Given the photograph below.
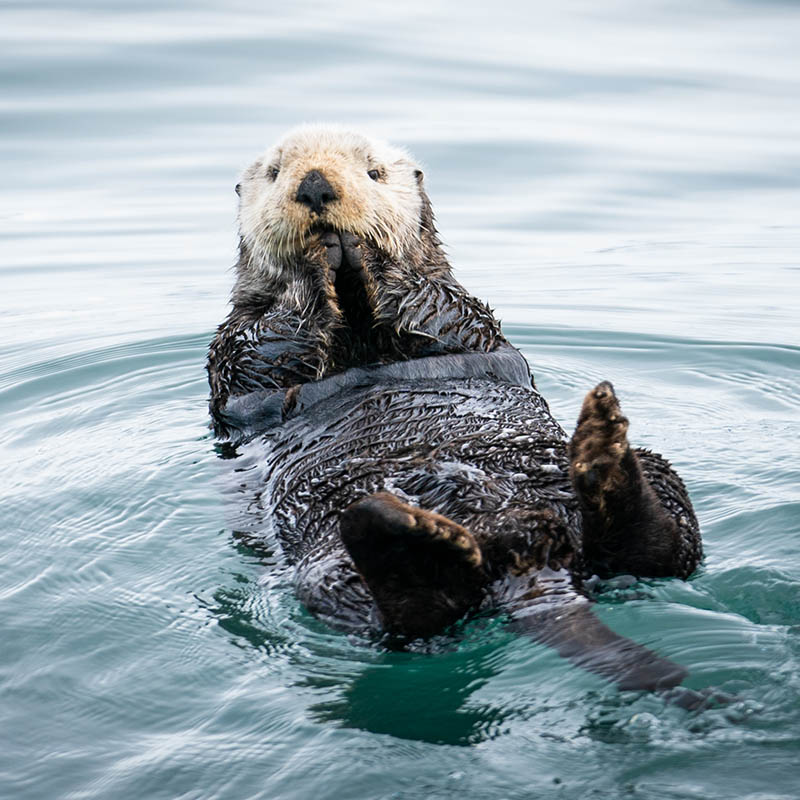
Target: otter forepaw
x=424 y=570
x=599 y=446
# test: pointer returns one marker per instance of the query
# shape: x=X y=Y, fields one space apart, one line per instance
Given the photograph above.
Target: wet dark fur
x=292 y=328
x=413 y=472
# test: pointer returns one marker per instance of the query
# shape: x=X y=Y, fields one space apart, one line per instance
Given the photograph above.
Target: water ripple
x=619 y=181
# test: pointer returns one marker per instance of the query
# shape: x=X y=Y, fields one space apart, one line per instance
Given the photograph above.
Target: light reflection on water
x=620 y=182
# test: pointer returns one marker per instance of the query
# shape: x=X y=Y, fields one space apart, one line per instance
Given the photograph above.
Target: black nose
x=315 y=191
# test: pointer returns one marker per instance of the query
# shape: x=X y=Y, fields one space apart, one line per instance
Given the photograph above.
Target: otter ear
x=238 y=189
x=407 y=163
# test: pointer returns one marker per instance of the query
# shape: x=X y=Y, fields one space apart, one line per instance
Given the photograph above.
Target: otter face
x=321 y=179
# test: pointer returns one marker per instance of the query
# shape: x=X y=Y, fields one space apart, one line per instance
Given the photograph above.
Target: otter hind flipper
x=599 y=449
x=424 y=570
x=636 y=514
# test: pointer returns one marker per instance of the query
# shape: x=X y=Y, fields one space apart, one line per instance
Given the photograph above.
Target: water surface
x=620 y=182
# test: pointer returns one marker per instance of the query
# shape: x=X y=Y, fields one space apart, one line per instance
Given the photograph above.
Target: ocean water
x=619 y=180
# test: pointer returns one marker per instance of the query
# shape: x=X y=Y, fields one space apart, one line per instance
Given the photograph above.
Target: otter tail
x=573 y=630
x=576 y=633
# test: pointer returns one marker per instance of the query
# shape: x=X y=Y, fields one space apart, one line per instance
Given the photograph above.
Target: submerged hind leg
x=636 y=513
x=424 y=570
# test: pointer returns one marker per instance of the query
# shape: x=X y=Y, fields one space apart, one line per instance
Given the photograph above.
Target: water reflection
x=423 y=697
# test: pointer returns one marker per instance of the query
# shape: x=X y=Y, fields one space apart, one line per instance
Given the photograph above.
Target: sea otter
x=413 y=472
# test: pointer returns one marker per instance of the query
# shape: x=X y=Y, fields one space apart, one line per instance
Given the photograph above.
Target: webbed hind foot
x=424 y=570
x=599 y=448
x=636 y=514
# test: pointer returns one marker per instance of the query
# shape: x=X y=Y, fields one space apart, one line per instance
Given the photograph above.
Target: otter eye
x=238 y=188
x=272 y=173
x=374 y=174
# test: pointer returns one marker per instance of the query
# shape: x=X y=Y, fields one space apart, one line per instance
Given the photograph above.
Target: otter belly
x=474 y=450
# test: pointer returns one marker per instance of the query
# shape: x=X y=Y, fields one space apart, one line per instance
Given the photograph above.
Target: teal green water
x=620 y=183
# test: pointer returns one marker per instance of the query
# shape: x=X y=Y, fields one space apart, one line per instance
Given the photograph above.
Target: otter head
x=328 y=186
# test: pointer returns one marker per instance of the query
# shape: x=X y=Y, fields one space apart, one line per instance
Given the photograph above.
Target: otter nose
x=314 y=191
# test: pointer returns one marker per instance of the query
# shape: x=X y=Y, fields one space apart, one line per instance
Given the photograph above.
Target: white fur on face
x=275 y=226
